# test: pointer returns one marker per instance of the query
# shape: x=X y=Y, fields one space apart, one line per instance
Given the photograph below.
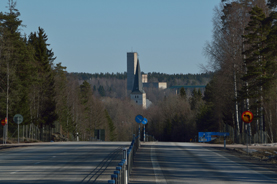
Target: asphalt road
x=165 y=163
x=67 y=162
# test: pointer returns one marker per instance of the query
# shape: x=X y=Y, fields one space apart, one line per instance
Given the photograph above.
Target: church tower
x=138 y=95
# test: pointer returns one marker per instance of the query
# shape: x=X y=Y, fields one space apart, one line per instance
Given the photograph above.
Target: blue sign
x=209 y=136
x=139 y=118
x=144 y=121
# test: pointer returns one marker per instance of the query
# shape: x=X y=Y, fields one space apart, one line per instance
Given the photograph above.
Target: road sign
x=144 y=121
x=247 y=117
x=3 y=122
x=18 y=118
x=139 y=118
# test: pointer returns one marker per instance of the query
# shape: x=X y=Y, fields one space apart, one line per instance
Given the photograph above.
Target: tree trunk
x=7 y=111
x=236 y=102
x=261 y=117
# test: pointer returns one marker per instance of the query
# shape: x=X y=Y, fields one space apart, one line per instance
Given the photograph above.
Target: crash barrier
x=123 y=170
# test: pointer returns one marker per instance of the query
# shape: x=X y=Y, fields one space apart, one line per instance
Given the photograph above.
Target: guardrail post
x=121 y=165
x=114 y=177
x=117 y=173
x=124 y=161
x=126 y=164
x=111 y=181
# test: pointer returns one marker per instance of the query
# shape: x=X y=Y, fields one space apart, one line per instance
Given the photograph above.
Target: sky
x=94 y=36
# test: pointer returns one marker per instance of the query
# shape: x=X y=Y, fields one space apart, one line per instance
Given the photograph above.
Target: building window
x=136 y=101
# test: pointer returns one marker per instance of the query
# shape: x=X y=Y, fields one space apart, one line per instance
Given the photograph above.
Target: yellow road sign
x=247 y=116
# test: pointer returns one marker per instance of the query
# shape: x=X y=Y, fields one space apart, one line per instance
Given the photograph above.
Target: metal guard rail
x=122 y=173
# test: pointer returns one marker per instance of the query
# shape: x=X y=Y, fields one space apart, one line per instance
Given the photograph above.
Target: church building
x=138 y=95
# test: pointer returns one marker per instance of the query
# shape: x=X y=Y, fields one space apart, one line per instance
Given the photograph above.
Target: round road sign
x=18 y=118
x=139 y=118
x=247 y=116
x=3 y=122
x=144 y=121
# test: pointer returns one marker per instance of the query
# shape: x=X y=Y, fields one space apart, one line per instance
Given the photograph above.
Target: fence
x=261 y=137
x=32 y=133
x=122 y=173
x=123 y=170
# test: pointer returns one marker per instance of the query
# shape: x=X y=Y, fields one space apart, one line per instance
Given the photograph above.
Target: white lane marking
x=13 y=172
x=157 y=170
x=54 y=156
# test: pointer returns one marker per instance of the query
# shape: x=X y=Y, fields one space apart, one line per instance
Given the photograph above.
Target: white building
x=144 y=78
x=138 y=95
x=158 y=85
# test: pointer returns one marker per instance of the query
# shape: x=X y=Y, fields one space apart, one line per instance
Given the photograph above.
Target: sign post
x=4 y=122
x=247 y=117
x=224 y=141
x=144 y=122
x=18 y=118
x=139 y=118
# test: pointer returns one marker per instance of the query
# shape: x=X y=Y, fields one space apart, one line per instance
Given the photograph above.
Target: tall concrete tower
x=132 y=58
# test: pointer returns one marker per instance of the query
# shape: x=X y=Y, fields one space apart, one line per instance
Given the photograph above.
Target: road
x=165 y=163
x=67 y=162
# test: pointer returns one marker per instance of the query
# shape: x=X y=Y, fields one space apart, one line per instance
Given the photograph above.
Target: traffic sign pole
x=3 y=134
x=139 y=132
x=247 y=117
x=18 y=118
x=18 y=130
x=247 y=139
x=144 y=133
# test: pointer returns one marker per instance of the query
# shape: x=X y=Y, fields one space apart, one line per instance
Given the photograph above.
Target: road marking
x=157 y=169
x=13 y=172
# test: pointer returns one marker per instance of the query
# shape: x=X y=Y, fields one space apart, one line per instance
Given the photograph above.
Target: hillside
x=114 y=84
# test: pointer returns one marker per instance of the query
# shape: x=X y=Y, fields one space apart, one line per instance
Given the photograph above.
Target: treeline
x=174 y=118
x=89 y=76
x=242 y=54
x=171 y=79
x=114 y=85
x=180 y=79
x=46 y=95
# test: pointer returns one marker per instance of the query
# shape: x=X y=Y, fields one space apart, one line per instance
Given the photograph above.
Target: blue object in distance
x=209 y=136
x=139 y=118
x=144 y=121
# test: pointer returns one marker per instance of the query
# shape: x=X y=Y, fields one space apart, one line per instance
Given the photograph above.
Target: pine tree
x=256 y=63
x=13 y=52
x=111 y=126
x=44 y=91
x=183 y=93
x=258 y=30
x=195 y=99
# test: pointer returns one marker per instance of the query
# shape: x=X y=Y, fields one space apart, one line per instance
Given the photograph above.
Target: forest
x=114 y=85
x=240 y=76
x=242 y=54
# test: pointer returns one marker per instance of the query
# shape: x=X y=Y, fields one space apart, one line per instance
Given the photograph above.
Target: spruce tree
x=258 y=30
x=44 y=92
x=13 y=53
x=183 y=93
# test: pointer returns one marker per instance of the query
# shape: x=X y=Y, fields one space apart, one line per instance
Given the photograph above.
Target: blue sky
x=94 y=36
